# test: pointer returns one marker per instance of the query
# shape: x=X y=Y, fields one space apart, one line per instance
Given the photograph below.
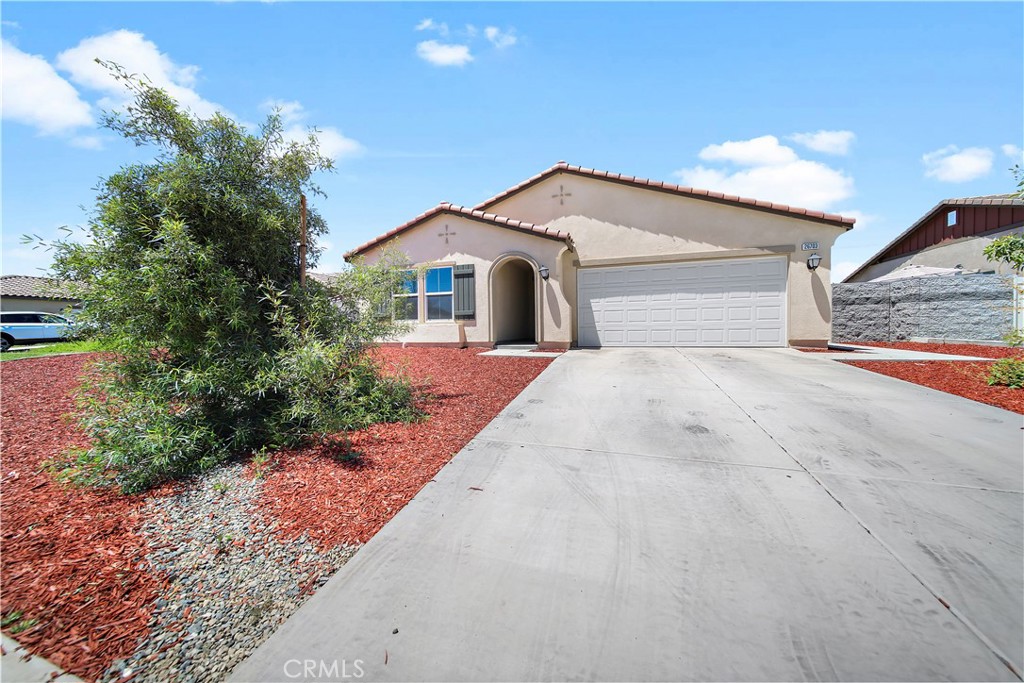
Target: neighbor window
x=407 y=299
x=951 y=218
x=438 y=287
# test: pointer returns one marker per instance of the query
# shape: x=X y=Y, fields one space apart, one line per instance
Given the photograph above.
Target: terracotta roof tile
x=760 y=205
x=467 y=212
x=33 y=287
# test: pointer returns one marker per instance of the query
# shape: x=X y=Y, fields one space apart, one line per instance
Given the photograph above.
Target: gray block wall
x=976 y=307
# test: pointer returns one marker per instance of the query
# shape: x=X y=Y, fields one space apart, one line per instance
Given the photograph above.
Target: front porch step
x=515 y=347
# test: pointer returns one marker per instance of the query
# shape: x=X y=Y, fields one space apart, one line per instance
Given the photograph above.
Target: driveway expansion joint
x=604 y=451
x=963 y=619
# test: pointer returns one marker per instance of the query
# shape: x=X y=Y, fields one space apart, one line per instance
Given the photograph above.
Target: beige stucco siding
x=483 y=245
x=612 y=223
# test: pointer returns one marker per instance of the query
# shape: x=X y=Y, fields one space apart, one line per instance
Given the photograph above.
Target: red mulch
x=71 y=558
x=337 y=502
x=977 y=350
x=961 y=378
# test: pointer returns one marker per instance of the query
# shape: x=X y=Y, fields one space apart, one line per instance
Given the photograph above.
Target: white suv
x=32 y=327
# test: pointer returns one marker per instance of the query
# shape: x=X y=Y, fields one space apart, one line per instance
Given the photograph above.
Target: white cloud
x=500 y=39
x=431 y=25
x=471 y=30
x=10 y=24
x=87 y=142
x=801 y=183
x=863 y=219
x=1015 y=153
x=332 y=143
x=441 y=54
x=762 y=151
x=843 y=268
x=138 y=56
x=953 y=165
x=774 y=173
x=35 y=94
x=827 y=141
x=290 y=111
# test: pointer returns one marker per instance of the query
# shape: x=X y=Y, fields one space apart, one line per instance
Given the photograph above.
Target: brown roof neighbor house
x=577 y=256
x=34 y=293
x=953 y=234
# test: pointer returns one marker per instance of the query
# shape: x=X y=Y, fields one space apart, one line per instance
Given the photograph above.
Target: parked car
x=32 y=327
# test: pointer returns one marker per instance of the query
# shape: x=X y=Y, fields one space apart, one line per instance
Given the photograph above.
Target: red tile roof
x=472 y=214
x=563 y=167
x=33 y=287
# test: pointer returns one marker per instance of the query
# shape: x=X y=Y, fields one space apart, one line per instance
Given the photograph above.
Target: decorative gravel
x=183 y=582
x=230 y=581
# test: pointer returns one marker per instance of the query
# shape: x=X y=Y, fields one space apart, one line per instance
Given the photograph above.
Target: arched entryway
x=514 y=301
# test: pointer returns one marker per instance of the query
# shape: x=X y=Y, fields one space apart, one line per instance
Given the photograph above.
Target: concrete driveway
x=660 y=514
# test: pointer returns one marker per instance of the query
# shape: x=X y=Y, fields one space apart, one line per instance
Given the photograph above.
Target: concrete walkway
x=18 y=666
x=704 y=514
x=883 y=353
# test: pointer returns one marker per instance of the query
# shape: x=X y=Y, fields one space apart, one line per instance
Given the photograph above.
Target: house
x=952 y=235
x=33 y=293
x=579 y=257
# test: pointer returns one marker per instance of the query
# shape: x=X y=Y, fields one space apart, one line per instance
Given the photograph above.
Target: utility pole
x=302 y=241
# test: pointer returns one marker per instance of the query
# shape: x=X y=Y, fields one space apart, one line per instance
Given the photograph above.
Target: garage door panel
x=712 y=314
x=736 y=302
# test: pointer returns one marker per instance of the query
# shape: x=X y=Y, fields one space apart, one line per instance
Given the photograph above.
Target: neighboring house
x=952 y=235
x=32 y=293
x=575 y=256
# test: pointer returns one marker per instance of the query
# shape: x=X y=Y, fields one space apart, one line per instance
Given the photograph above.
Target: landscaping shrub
x=190 y=277
x=1007 y=372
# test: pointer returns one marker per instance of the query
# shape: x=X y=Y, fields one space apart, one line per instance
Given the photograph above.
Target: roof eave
x=670 y=188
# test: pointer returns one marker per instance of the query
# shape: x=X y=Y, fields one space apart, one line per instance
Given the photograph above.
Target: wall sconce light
x=544 y=273
x=813 y=261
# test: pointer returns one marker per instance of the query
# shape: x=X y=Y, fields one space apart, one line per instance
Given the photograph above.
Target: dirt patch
x=335 y=501
x=961 y=378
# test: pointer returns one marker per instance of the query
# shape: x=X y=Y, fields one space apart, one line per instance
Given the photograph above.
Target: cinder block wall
x=976 y=307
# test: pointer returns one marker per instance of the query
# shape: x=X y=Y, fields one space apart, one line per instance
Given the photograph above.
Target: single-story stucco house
x=34 y=293
x=579 y=257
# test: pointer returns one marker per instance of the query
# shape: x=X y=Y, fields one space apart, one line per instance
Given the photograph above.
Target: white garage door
x=733 y=302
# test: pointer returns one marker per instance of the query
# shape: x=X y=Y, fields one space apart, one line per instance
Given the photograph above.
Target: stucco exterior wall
x=483 y=245
x=17 y=303
x=624 y=225
x=968 y=252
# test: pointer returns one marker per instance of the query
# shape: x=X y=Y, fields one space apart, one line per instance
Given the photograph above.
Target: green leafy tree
x=190 y=275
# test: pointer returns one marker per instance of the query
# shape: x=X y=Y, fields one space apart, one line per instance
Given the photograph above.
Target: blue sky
x=874 y=110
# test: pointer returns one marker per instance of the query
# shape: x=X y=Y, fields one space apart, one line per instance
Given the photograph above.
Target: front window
x=54 y=320
x=951 y=218
x=407 y=299
x=439 y=291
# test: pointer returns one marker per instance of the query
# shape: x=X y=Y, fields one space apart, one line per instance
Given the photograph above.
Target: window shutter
x=465 y=292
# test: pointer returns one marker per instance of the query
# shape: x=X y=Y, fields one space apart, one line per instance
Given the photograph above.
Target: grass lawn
x=19 y=352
